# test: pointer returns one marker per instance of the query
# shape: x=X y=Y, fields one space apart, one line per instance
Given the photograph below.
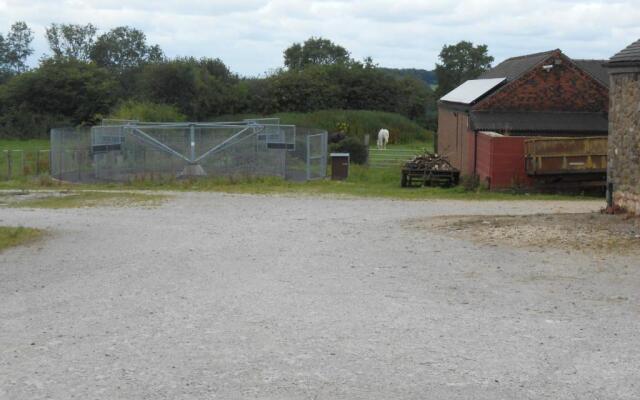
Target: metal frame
x=133 y=149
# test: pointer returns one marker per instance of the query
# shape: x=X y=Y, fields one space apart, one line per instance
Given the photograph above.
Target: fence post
x=37 y=162
x=9 y=165
x=366 y=145
x=308 y=158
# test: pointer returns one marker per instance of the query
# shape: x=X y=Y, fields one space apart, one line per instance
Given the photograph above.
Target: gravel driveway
x=213 y=296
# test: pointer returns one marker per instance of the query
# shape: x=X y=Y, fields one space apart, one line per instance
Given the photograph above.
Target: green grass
x=357 y=122
x=26 y=145
x=362 y=182
x=79 y=199
x=15 y=236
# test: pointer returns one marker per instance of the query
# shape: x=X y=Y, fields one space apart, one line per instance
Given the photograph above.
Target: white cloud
x=250 y=35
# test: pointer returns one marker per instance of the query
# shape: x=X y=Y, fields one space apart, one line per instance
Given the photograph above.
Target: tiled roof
x=512 y=68
x=630 y=55
x=595 y=68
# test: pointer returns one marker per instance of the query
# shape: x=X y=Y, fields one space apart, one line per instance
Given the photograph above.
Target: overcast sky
x=250 y=35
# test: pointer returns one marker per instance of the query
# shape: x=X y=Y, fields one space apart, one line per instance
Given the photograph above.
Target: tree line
x=89 y=76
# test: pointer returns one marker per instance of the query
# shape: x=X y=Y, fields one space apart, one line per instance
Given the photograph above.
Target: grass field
x=362 y=182
x=15 y=236
x=26 y=145
x=81 y=199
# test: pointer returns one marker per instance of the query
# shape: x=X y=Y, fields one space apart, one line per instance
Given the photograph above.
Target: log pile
x=429 y=162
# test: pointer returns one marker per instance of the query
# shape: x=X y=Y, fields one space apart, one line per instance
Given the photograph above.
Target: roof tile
x=631 y=54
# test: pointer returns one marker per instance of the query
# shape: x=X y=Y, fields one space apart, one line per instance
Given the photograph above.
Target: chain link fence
x=121 y=151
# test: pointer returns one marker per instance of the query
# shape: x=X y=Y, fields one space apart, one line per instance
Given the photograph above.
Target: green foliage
x=71 y=40
x=57 y=92
x=360 y=122
x=120 y=75
x=461 y=62
x=123 y=48
x=315 y=51
x=197 y=88
x=14 y=50
x=147 y=112
x=357 y=150
x=428 y=77
x=342 y=86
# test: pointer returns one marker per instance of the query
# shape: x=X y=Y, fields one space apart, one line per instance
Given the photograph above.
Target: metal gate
x=132 y=150
x=316 y=156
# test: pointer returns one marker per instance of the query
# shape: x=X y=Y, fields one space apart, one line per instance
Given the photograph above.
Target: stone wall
x=624 y=138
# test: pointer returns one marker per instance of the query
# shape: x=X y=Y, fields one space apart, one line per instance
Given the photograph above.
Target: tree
x=315 y=51
x=197 y=88
x=71 y=40
x=77 y=91
x=459 y=63
x=14 y=49
x=124 y=48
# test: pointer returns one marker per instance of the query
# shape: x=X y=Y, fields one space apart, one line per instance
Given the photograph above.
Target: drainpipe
x=610 y=195
x=475 y=153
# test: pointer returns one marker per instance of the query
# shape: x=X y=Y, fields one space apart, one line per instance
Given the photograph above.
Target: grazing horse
x=383 y=138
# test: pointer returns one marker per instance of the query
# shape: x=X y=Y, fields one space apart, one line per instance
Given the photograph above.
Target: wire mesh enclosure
x=122 y=151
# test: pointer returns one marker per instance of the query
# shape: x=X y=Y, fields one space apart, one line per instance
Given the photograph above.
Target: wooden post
x=37 y=162
x=8 y=164
x=366 y=145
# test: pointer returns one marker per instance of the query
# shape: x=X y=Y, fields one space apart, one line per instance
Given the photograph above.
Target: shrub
x=357 y=123
x=356 y=149
x=147 y=112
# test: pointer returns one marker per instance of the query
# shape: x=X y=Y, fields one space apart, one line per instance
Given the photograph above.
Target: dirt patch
x=596 y=233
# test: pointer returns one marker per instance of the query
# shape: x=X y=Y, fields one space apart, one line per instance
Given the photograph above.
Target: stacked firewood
x=430 y=162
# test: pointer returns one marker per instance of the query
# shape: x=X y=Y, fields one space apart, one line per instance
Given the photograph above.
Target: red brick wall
x=564 y=88
x=501 y=161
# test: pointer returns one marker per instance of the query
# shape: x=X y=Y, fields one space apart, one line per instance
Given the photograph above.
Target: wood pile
x=429 y=162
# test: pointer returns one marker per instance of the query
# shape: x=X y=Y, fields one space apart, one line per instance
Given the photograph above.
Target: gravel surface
x=213 y=296
x=596 y=233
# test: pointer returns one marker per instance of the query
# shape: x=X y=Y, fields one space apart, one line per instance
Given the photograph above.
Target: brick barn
x=482 y=124
x=624 y=129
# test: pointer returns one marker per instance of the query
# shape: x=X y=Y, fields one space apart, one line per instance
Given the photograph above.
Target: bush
x=356 y=123
x=147 y=112
x=357 y=150
x=359 y=123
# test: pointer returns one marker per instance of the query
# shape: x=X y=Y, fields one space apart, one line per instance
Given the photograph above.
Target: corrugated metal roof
x=526 y=121
x=631 y=54
x=472 y=90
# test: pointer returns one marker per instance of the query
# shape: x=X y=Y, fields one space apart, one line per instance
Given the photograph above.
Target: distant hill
x=429 y=77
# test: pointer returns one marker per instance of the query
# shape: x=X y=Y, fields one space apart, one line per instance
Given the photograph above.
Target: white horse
x=383 y=138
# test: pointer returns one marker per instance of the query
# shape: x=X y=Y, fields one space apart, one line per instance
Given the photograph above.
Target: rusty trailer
x=580 y=162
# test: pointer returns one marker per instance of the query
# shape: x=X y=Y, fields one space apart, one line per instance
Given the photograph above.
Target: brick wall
x=624 y=139
x=565 y=87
